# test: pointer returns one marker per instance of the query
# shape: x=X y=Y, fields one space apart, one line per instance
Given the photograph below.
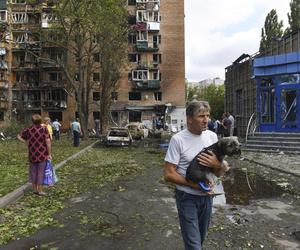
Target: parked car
x=137 y=130
x=118 y=137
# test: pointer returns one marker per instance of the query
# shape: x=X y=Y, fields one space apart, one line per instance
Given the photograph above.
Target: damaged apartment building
x=152 y=86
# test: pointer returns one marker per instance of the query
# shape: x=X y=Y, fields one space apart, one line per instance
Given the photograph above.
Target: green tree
x=294 y=15
x=89 y=30
x=273 y=29
x=212 y=93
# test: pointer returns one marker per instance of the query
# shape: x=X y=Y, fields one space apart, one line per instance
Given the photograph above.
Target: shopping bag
x=54 y=175
x=49 y=179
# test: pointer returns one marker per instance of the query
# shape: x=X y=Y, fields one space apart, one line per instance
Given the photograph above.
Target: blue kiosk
x=278 y=92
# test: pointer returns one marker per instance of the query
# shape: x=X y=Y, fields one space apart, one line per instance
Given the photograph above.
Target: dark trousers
x=76 y=138
x=56 y=134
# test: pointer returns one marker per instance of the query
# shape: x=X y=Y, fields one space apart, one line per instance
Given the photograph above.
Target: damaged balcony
x=54 y=99
x=27 y=99
x=27 y=80
x=150 y=18
x=24 y=61
x=145 y=79
x=145 y=46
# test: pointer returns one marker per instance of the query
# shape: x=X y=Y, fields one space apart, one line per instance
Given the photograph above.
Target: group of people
x=223 y=127
x=194 y=206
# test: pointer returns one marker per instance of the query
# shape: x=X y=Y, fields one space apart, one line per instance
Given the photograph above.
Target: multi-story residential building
x=152 y=86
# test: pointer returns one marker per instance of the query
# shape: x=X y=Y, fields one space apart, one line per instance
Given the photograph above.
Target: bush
x=13 y=129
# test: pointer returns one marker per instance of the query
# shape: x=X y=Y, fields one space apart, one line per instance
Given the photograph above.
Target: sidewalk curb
x=17 y=193
x=273 y=167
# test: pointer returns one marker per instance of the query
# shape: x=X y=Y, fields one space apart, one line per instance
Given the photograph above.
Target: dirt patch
x=137 y=211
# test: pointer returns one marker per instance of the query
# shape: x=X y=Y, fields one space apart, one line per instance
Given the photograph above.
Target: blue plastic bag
x=50 y=177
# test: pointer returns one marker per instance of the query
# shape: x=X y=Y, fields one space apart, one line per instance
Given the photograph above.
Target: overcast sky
x=217 y=32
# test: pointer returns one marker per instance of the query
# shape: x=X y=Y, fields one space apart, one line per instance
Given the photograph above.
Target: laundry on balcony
x=139 y=26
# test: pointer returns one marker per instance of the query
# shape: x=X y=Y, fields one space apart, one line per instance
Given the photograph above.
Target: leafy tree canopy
x=294 y=15
x=273 y=29
x=213 y=94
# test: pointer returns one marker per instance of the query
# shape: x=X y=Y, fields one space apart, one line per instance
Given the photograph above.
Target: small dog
x=203 y=175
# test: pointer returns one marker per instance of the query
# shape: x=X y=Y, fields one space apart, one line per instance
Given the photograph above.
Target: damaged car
x=118 y=137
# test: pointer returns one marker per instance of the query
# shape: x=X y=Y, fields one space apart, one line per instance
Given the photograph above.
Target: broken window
x=96 y=96
x=55 y=115
x=156 y=58
x=96 y=77
x=20 y=37
x=97 y=57
x=155 y=75
x=55 y=54
x=139 y=75
x=18 y=1
x=142 y=16
x=142 y=35
x=19 y=17
x=3 y=15
x=131 y=2
x=134 y=57
x=157 y=96
x=156 y=40
x=55 y=98
x=19 y=60
x=54 y=76
x=132 y=38
x=135 y=96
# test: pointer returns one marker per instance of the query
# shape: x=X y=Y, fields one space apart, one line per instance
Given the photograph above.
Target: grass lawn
x=91 y=171
x=14 y=161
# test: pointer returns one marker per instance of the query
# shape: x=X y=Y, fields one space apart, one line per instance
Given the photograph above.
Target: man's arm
x=48 y=145
x=211 y=161
x=171 y=175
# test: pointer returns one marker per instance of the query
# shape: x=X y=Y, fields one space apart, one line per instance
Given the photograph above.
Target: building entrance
x=287 y=118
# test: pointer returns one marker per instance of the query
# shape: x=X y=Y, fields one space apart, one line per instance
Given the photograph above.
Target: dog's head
x=230 y=146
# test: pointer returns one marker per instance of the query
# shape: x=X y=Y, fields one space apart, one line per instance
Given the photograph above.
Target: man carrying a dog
x=194 y=206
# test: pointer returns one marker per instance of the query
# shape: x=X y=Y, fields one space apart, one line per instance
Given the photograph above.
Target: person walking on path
x=76 y=130
x=39 y=149
x=194 y=207
x=56 y=129
x=226 y=124
x=47 y=124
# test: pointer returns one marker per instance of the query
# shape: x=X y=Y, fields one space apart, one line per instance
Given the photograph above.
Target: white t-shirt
x=183 y=147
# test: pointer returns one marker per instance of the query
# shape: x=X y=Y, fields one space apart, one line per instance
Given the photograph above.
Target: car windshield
x=118 y=133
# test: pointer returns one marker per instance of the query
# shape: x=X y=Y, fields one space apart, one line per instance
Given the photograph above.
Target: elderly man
x=194 y=207
x=39 y=148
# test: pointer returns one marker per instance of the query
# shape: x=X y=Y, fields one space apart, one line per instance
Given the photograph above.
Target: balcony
x=3 y=84
x=144 y=46
x=3 y=65
x=147 y=65
x=147 y=84
x=54 y=104
x=3 y=103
